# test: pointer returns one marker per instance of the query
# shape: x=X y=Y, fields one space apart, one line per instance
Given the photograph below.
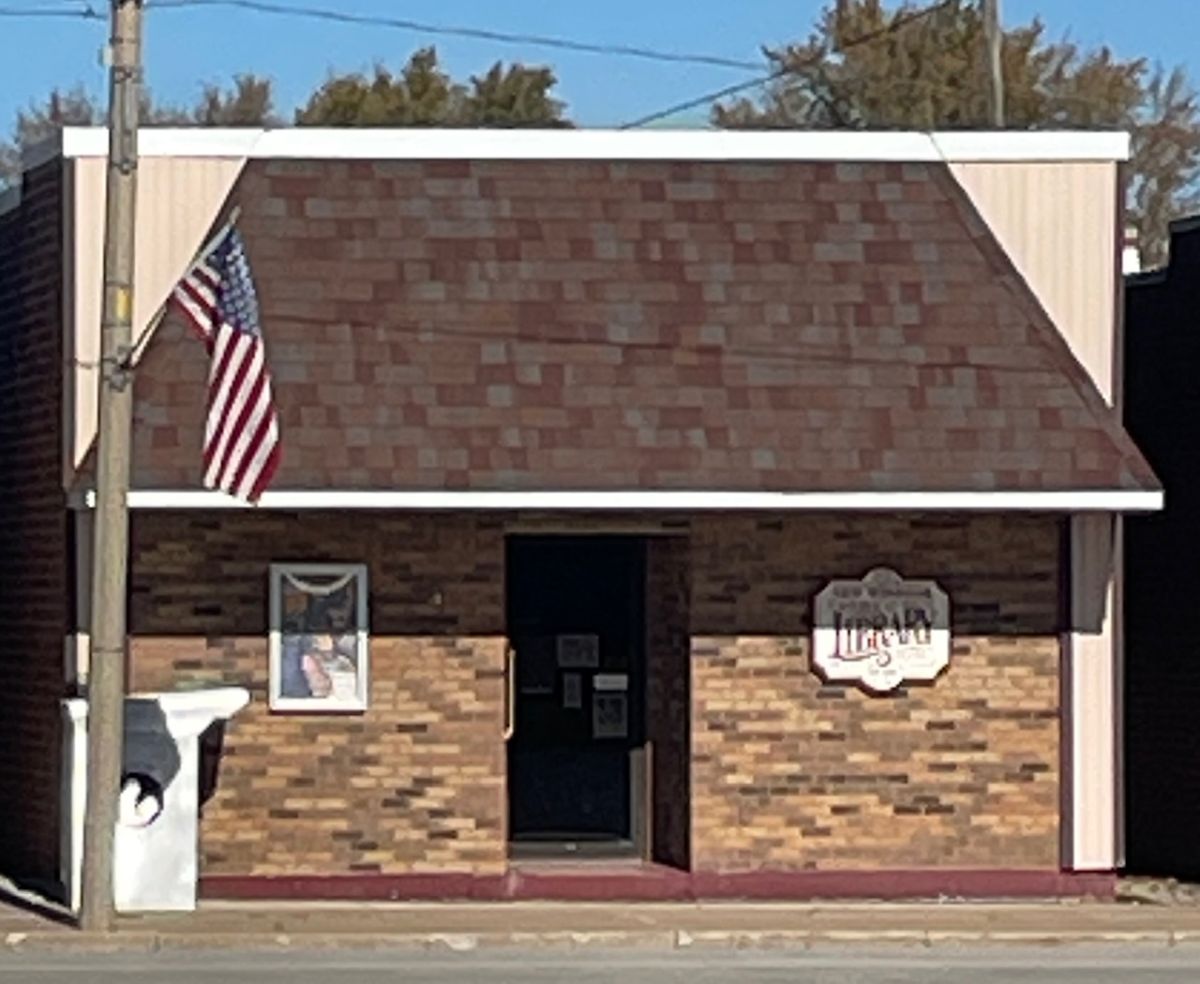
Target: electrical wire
x=800 y=354
x=709 y=97
x=472 y=33
x=87 y=12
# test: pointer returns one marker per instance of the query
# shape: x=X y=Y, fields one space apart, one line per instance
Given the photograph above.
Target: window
x=318 y=645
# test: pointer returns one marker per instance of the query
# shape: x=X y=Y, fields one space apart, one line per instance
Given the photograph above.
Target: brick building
x=1163 y=683
x=579 y=428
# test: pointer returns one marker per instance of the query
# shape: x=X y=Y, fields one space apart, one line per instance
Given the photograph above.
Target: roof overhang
x=1114 y=501
x=319 y=143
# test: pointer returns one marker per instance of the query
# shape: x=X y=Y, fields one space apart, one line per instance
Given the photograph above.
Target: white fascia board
x=319 y=143
x=1117 y=500
x=616 y=145
x=414 y=143
x=998 y=146
x=197 y=141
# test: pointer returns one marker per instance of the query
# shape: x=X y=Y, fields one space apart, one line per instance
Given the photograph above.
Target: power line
x=80 y=13
x=710 y=97
x=472 y=33
x=799 y=355
x=897 y=24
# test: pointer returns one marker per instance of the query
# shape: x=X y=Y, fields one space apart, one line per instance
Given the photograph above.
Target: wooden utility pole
x=993 y=38
x=106 y=673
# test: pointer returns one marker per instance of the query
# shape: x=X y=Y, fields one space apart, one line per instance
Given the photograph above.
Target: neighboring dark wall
x=33 y=538
x=1162 y=570
x=668 y=697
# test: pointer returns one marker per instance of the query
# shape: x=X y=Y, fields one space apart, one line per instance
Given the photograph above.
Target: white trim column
x=1091 y=689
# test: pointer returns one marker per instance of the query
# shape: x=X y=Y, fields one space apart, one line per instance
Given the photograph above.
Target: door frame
x=638 y=845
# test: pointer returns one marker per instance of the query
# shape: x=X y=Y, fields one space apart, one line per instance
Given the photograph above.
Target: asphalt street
x=897 y=965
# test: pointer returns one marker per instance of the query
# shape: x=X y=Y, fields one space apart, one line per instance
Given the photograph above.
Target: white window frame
x=319 y=705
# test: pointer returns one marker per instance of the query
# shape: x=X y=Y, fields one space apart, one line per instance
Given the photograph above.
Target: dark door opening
x=576 y=625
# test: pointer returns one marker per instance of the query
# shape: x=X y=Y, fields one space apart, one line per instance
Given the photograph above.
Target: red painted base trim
x=654 y=883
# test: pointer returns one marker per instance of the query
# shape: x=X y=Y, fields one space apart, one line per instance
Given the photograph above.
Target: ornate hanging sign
x=881 y=631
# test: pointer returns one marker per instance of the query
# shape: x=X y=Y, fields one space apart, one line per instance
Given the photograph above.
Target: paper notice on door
x=610 y=718
x=572 y=691
x=578 y=652
x=535 y=665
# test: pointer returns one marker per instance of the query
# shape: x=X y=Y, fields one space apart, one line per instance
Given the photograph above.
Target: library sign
x=881 y=631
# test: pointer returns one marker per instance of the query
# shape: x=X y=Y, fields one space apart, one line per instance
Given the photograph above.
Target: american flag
x=241 y=433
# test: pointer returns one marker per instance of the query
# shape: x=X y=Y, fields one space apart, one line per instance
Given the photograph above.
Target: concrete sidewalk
x=466 y=927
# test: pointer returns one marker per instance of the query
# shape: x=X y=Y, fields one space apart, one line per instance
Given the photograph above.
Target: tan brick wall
x=790 y=773
x=416 y=783
x=785 y=773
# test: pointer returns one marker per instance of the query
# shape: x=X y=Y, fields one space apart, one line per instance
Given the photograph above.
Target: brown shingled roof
x=642 y=325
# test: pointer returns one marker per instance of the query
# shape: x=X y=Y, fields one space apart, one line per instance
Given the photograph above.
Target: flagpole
x=135 y=350
x=230 y=221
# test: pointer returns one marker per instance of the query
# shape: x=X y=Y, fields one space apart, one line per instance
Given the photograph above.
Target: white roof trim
x=1189 y=223
x=583 y=144
x=1036 y=145
x=1067 y=502
x=10 y=198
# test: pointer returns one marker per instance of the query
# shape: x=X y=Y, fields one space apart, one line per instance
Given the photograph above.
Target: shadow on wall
x=212 y=743
x=151 y=758
x=1004 y=576
x=34 y=897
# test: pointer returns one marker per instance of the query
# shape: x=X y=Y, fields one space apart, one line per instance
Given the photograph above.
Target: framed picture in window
x=319 y=638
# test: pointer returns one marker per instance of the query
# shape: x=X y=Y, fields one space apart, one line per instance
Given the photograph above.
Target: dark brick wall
x=789 y=773
x=1162 y=571
x=33 y=537
x=668 y=697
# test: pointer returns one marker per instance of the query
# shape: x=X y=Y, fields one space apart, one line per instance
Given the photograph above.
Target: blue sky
x=187 y=47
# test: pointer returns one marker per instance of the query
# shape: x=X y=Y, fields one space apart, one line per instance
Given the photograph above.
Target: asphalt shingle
x=642 y=325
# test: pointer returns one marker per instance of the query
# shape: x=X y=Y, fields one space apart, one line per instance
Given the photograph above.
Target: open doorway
x=576 y=625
